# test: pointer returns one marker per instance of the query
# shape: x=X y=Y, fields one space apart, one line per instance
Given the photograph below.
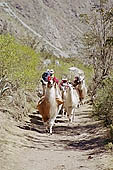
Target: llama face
x=70 y=86
x=50 y=84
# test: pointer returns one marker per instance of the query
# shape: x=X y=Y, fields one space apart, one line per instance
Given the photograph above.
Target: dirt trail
x=71 y=147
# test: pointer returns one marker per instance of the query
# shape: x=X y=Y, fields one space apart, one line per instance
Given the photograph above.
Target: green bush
x=103 y=104
x=18 y=62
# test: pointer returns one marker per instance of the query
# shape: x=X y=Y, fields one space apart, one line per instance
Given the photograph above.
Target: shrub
x=103 y=104
x=18 y=62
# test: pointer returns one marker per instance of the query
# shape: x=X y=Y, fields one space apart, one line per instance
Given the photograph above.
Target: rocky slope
x=56 y=22
x=56 y=25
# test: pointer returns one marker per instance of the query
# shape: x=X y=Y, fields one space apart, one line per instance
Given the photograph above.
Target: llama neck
x=70 y=94
x=50 y=94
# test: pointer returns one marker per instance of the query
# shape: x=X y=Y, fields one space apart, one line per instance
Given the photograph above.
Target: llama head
x=70 y=86
x=50 y=82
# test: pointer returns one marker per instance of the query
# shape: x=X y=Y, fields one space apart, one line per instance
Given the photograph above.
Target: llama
x=71 y=102
x=48 y=106
x=58 y=97
x=82 y=91
x=63 y=94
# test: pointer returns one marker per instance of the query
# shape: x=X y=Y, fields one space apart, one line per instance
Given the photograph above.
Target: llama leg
x=59 y=108
x=51 y=129
x=69 y=114
x=72 y=115
x=51 y=126
x=46 y=127
x=65 y=113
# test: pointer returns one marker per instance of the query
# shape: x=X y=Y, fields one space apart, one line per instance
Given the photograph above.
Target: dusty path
x=74 y=147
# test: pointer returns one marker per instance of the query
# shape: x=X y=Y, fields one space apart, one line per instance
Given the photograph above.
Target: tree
x=98 y=42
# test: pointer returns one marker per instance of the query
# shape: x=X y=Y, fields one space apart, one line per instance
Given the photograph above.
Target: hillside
x=56 y=25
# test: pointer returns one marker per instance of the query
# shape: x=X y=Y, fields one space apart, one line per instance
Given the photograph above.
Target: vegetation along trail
x=79 y=145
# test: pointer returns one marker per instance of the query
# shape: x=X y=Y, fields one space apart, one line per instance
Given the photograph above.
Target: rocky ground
x=80 y=145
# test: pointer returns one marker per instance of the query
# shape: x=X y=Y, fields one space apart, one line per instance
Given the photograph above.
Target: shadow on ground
x=92 y=141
